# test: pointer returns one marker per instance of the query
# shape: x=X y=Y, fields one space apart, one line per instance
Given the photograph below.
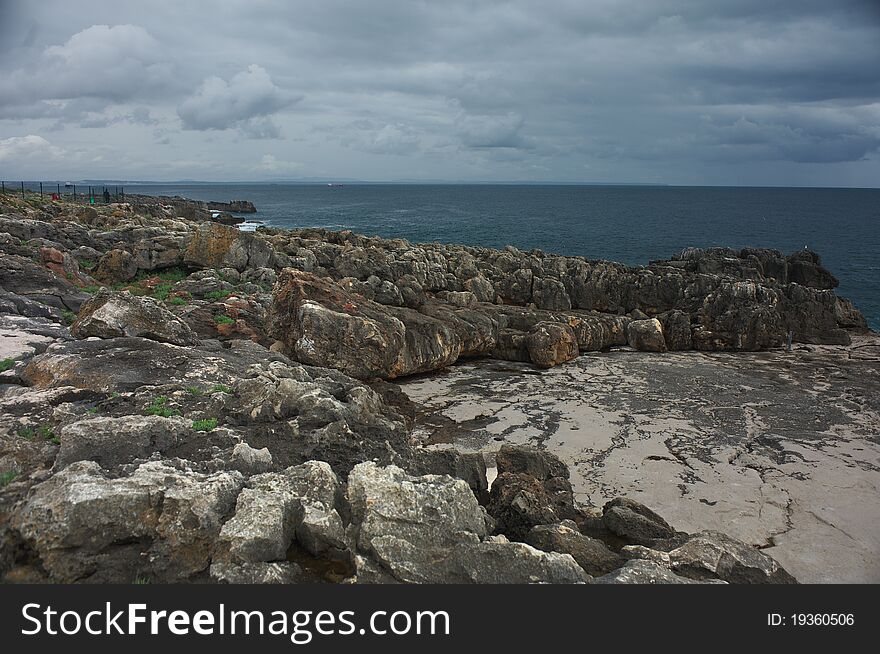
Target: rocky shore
x=182 y=401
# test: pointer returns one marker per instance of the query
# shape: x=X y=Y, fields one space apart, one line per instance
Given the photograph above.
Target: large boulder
x=635 y=522
x=431 y=529
x=646 y=335
x=160 y=522
x=565 y=537
x=114 y=441
x=112 y=315
x=713 y=555
x=550 y=344
x=320 y=323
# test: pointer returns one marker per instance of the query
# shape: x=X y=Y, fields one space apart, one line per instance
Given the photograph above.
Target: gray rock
x=114 y=441
x=256 y=573
x=635 y=522
x=646 y=335
x=86 y=526
x=431 y=529
x=639 y=571
x=112 y=315
x=713 y=555
x=250 y=461
x=564 y=537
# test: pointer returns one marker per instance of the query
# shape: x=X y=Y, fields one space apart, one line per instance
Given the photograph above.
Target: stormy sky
x=733 y=92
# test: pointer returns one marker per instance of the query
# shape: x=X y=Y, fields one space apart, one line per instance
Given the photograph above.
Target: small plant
x=217 y=295
x=6 y=364
x=7 y=477
x=27 y=433
x=220 y=388
x=141 y=581
x=158 y=408
x=194 y=391
x=208 y=424
x=46 y=432
x=161 y=291
x=92 y=410
x=114 y=394
x=221 y=319
x=68 y=317
x=87 y=263
x=91 y=290
x=177 y=301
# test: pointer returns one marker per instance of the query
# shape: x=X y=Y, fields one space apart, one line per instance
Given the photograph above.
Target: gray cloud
x=245 y=101
x=679 y=91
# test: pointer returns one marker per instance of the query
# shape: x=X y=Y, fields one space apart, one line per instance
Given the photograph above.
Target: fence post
x=74 y=192
x=4 y=187
x=58 y=190
x=22 y=189
x=41 y=190
x=123 y=193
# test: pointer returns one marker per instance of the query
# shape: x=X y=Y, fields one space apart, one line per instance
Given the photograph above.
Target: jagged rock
x=481 y=287
x=519 y=502
x=565 y=537
x=114 y=441
x=263 y=527
x=638 y=571
x=676 y=330
x=431 y=529
x=256 y=573
x=550 y=294
x=550 y=344
x=713 y=555
x=25 y=278
x=86 y=526
x=646 y=335
x=250 y=461
x=117 y=265
x=635 y=522
x=112 y=315
x=540 y=464
x=214 y=246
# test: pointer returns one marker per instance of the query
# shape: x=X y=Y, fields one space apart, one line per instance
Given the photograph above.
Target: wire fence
x=86 y=193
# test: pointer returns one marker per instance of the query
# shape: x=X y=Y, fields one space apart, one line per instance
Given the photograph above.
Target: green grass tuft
x=158 y=408
x=177 y=301
x=194 y=390
x=208 y=424
x=220 y=388
x=6 y=364
x=220 y=319
x=217 y=295
x=7 y=477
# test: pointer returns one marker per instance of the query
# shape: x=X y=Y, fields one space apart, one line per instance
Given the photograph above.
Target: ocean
x=629 y=224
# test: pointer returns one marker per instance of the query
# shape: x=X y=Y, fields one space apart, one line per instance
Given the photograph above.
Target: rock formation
x=184 y=402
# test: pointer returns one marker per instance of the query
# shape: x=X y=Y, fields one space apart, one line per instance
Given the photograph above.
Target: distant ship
x=68 y=184
x=335 y=185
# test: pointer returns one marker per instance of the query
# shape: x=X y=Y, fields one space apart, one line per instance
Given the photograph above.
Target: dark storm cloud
x=608 y=90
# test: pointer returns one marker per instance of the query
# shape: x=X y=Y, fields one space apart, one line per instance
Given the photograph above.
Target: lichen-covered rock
x=550 y=344
x=635 y=522
x=159 y=520
x=713 y=555
x=431 y=529
x=639 y=571
x=565 y=537
x=646 y=335
x=112 y=315
x=114 y=441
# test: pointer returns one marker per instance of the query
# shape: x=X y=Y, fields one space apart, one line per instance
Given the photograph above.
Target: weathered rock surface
x=431 y=530
x=113 y=315
x=208 y=423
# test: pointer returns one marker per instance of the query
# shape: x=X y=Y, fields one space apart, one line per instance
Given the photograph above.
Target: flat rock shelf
x=781 y=450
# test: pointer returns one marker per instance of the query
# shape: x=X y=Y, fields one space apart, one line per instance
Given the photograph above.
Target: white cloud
x=245 y=101
x=21 y=149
